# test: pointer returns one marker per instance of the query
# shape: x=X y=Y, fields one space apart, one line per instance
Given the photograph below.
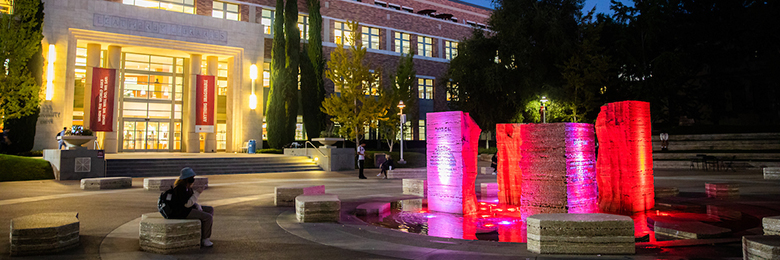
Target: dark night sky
x=602 y=6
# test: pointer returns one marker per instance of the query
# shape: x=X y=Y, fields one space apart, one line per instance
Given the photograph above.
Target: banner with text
x=101 y=113
x=204 y=104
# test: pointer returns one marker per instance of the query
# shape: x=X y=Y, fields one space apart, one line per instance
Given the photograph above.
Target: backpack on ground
x=164 y=203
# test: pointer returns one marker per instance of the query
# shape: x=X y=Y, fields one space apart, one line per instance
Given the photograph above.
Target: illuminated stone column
x=114 y=61
x=190 y=137
x=452 y=162
x=508 y=141
x=93 y=60
x=212 y=69
x=625 y=163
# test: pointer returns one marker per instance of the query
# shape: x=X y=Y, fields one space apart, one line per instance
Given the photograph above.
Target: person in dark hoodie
x=184 y=205
x=387 y=165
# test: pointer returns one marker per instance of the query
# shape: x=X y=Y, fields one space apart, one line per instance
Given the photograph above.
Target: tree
x=401 y=90
x=21 y=40
x=312 y=69
x=292 y=49
x=352 y=78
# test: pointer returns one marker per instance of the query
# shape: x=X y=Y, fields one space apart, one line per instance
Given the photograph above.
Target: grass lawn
x=18 y=168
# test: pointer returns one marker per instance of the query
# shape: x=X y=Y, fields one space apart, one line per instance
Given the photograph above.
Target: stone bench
x=580 y=234
x=771 y=225
x=372 y=208
x=488 y=189
x=408 y=173
x=486 y=170
x=44 y=233
x=771 y=173
x=417 y=187
x=760 y=247
x=317 y=208
x=722 y=190
x=666 y=192
x=688 y=229
x=284 y=196
x=166 y=236
x=165 y=183
x=106 y=183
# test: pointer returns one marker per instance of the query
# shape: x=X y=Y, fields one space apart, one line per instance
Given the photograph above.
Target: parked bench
x=44 y=233
x=317 y=208
x=580 y=234
x=106 y=183
x=166 y=236
x=165 y=183
x=284 y=196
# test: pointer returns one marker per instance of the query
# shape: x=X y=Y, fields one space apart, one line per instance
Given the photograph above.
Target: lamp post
x=403 y=120
x=543 y=110
x=253 y=97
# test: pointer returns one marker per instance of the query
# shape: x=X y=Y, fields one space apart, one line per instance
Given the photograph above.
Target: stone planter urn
x=327 y=142
x=76 y=141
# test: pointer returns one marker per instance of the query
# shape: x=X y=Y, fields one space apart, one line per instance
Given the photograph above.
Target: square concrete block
x=166 y=236
x=489 y=189
x=761 y=247
x=580 y=234
x=317 y=208
x=44 y=233
x=408 y=173
x=284 y=196
x=771 y=173
x=106 y=183
x=165 y=183
x=771 y=225
x=417 y=187
x=666 y=192
x=688 y=229
x=486 y=170
x=373 y=208
x=722 y=190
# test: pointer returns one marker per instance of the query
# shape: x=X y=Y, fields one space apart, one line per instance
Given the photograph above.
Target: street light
x=253 y=97
x=401 y=106
x=543 y=110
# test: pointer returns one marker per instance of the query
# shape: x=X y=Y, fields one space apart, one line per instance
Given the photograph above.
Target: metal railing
x=305 y=145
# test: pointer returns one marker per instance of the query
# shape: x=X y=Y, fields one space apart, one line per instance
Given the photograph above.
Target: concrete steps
x=206 y=166
x=748 y=151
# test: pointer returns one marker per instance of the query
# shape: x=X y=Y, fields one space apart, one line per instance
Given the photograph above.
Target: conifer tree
x=312 y=81
x=276 y=119
x=292 y=50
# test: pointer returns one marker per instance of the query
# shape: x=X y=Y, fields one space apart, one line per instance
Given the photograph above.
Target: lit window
x=373 y=88
x=6 y=6
x=425 y=88
x=408 y=130
x=402 y=42
x=421 y=129
x=452 y=91
x=181 y=6
x=222 y=75
x=303 y=26
x=267 y=20
x=266 y=75
x=341 y=33
x=425 y=46
x=450 y=50
x=225 y=11
x=370 y=37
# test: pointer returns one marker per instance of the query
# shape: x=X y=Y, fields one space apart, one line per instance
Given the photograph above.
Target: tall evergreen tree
x=292 y=49
x=312 y=67
x=276 y=112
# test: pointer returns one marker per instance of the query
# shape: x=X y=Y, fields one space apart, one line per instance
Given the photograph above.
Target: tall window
x=450 y=50
x=408 y=130
x=267 y=20
x=182 y=6
x=266 y=75
x=341 y=33
x=370 y=37
x=425 y=88
x=225 y=10
x=373 y=88
x=452 y=92
x=402 y=42
x=303 y=26
x=421 y=129
x=425 y=46
x=6 y=6
x=222 y=74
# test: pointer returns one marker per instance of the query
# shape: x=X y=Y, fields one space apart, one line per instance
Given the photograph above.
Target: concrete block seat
x=44 y=233
x=106 y=183
x=284 y=196
x=580 y=234
x=166 y=236
x=165 y=183
x=771 y=173
x=688 y=229
x=722 y=190
x=417 y=187
x=486 y=170
x=666 y=192
x=317 y=208
x=771 y=225
x=408 y=173
x=489 y=189
x=373 y=208
x=761 y=247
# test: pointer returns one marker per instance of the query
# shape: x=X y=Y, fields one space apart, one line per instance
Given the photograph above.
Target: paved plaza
x=247 y=225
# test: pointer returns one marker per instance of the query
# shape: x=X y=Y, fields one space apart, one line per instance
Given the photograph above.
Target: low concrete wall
x=76 y=164
x=334 y=159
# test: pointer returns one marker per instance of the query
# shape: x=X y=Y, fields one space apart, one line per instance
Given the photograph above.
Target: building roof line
x=473 y=5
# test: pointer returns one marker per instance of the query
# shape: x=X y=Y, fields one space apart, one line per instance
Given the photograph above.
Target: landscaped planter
x=328 y=141
x=76 y=141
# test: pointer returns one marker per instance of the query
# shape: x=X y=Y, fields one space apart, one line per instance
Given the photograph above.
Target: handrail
x=315 y=148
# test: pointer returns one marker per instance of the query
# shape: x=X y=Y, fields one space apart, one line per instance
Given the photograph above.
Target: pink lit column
x=452 y=162
x=508 y=141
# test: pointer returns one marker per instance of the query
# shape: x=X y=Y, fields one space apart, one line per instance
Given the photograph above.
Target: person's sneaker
x=378 y=174
x=206 y=243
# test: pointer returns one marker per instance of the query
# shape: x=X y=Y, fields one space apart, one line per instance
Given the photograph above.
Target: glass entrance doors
x=151 y=135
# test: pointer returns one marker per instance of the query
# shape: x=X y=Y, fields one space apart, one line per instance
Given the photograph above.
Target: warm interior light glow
x=50 y=72
x=252 y=101
x=253 y=72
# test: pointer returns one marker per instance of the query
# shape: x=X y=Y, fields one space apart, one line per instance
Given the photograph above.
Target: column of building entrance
x=212 y=66
x=191 y=141
x=113 y=61
x=93 y=60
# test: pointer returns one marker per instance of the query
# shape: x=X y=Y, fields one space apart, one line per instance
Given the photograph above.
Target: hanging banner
x=101 y=113
x=204 y=102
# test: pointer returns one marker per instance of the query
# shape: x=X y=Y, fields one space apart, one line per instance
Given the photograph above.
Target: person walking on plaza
x=60 y=136
x=184 y=205
x=361 y=150
x=386 y=165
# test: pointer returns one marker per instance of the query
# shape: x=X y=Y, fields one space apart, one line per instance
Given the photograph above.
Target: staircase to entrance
x=151 y=165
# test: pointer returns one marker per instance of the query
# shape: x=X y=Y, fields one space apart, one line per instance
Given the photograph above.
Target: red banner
x=101 y=114
x=204 y=102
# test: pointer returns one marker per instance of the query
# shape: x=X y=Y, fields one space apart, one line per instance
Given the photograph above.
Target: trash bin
x=251 y=147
